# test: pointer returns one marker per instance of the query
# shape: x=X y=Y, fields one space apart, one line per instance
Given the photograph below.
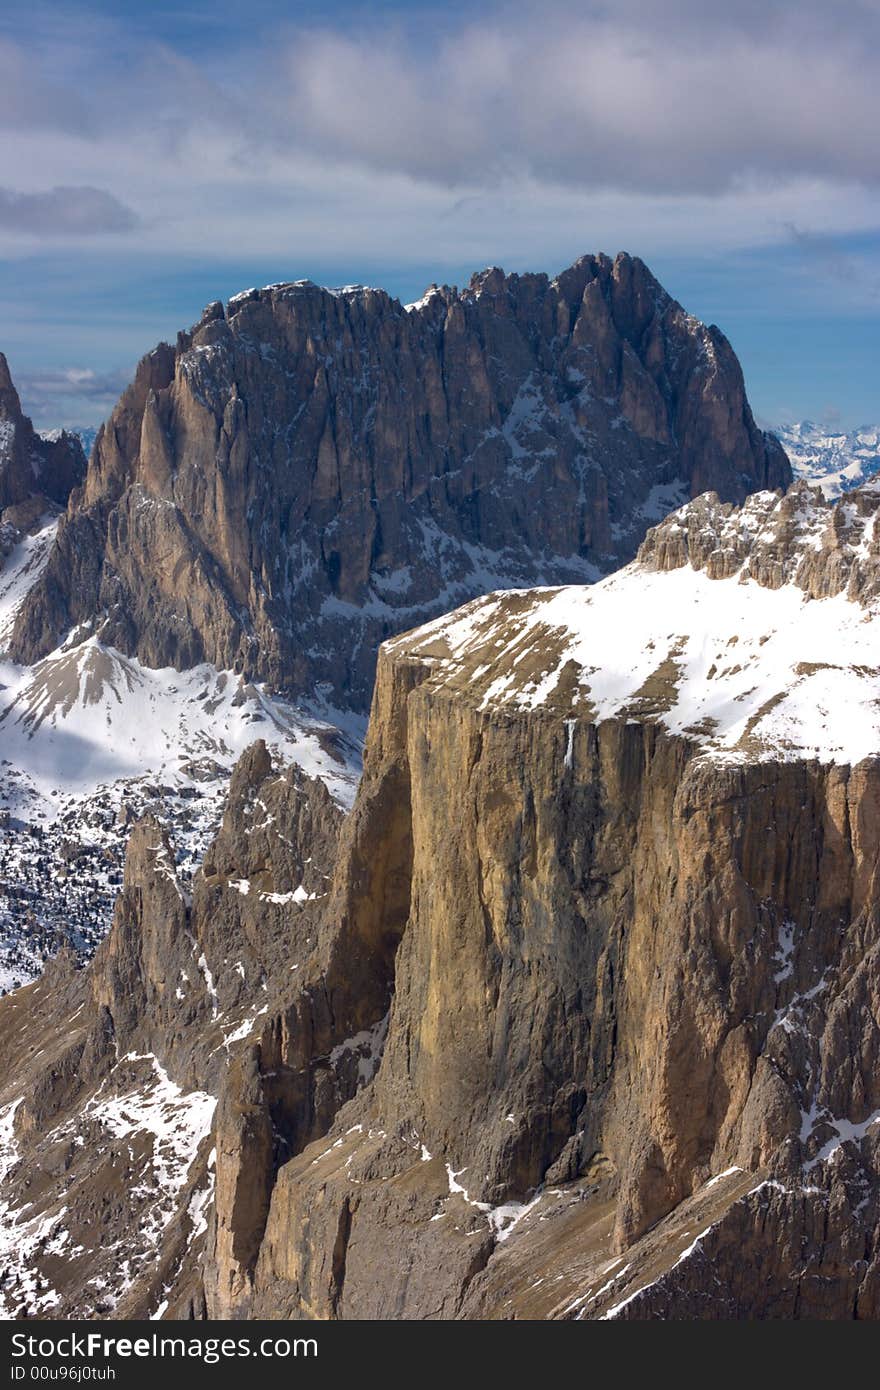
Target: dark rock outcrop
x=37 y=473
x=307 y=471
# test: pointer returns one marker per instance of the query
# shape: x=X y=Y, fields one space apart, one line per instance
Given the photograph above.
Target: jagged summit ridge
x=105 y=1121
x=308 y=471
x=801 y=538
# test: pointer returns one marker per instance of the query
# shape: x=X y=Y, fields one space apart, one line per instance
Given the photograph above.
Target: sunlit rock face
x=309 y=471
x=627 y=990
x=574 y=1015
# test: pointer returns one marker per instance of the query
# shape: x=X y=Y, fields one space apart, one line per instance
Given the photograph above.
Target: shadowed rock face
x=308 y=472
x=111 y=1074
x=37 y=475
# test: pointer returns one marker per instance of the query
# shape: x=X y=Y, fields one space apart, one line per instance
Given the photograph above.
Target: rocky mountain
x=834 y=461
x=305 y=473
x=37 y=474
x=34 y=469
x=90 y=740
x=105 y=1153
x=309 y=471
x=602 y=1044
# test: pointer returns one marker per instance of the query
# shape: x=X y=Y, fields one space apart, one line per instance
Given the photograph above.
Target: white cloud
x=64 y=211
x=534 y=132
x=77 y=394
x=595 y=103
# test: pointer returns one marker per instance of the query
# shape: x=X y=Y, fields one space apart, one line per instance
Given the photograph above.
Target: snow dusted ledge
x=755 y=632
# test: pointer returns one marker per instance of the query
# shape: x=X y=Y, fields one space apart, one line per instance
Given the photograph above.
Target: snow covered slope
x=164 y=1128
x=87 y=717
x=90 y=740
x=22 y=567
x=836 y=462
x=755 y=632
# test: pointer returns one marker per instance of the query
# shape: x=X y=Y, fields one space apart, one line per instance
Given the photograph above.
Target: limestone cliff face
x=632 y=1043
x=37 y=475
x=797 y=539
x=584 y=1022
x=309 y=471
x=624 y=972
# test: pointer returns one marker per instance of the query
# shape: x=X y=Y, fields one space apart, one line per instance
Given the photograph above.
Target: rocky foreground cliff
x=584 y=1022
x=309 y=471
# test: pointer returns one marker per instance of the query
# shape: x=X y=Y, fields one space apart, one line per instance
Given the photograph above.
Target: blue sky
x=159 y=156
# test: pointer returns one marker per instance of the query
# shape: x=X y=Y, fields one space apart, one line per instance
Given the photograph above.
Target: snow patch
x=368 y=1044
x=745 y=671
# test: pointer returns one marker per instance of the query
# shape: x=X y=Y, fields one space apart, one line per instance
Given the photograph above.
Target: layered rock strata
x=630 y=1061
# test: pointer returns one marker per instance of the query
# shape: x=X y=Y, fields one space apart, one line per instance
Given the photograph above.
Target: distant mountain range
x=87 y=435
x=837 y=461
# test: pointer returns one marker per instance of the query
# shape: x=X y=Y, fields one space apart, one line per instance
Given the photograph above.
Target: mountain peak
x=36 y=472
x=311 y=459
x=10 y=405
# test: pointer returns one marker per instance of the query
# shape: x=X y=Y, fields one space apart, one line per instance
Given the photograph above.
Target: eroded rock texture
x=629 y=1067
x=585 y=1022
x=620 y=977
x=307 y=472
x=111 y=1074
x=796 y=539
